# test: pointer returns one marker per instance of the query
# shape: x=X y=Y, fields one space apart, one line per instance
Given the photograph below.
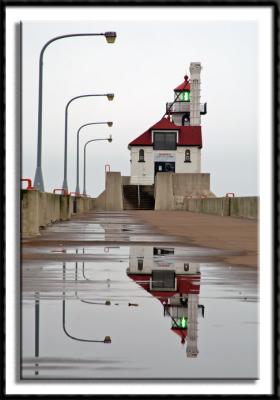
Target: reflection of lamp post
x=38 y=180
x=110 y=124
x=107 y=339
x=110 y=97
x=93 y=140
x=107 y=302
x=37 y=326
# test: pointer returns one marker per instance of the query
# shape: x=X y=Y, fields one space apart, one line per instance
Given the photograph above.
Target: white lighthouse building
x=174 y=143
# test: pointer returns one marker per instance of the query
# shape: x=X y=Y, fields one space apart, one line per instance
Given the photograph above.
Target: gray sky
x=148 y=59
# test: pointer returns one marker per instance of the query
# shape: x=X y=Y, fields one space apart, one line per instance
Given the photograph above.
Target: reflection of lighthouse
x=192 y=327
x=163 y=272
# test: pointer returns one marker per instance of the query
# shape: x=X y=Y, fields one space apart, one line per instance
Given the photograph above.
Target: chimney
x=195 y=69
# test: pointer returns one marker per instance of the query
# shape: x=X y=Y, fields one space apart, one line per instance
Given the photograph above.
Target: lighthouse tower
x=186 y=108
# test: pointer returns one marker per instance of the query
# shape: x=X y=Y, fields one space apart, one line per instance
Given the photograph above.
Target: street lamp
x=38 y=180
x=93 y=140
x=110 y=124
x=110 y=97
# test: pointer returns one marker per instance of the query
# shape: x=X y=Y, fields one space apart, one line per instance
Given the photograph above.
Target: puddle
x=135 y=311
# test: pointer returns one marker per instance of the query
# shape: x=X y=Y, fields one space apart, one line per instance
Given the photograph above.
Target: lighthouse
x=174 y=143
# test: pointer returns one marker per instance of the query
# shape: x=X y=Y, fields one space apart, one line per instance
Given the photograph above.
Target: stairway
x=146 y=197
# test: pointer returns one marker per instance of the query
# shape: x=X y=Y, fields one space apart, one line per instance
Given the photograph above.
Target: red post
x=29 y=183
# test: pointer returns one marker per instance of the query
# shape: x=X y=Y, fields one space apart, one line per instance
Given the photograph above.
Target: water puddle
x=135 y=311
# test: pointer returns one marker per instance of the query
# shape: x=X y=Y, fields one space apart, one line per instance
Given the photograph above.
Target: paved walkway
x=213 y=231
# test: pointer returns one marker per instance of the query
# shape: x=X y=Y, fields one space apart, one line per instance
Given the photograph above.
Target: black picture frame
x=275 y=245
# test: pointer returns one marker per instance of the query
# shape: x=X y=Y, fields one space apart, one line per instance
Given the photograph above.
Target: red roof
x=183 y=333
x=188 y=135
x=182 y=87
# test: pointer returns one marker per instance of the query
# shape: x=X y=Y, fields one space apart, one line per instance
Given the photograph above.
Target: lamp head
x=110 y=96
x=110 y=37
x=107 y=339
x=110 y=123
x=110 y=139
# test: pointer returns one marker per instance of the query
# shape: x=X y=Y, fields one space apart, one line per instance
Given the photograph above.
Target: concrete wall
x=191 y=184
x=191 y=192
x=217 y=206
x=29 y=213
x=164 y=198
x=247 y=207
x=114 y=195
x=40 y=209
x=111 y=199
x=172 y=188
x=242 y=207
x=100 y=201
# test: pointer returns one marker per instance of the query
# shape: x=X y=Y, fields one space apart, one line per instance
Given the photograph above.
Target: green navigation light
x=183 y=322
x=185 y=96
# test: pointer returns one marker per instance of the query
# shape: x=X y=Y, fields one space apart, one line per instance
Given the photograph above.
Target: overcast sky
x=148 y=60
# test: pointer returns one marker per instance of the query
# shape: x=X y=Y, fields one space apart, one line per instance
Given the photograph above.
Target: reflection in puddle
x=137 y=312
x=176 y=284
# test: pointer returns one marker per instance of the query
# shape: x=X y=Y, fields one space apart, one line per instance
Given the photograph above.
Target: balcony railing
x=184 y=106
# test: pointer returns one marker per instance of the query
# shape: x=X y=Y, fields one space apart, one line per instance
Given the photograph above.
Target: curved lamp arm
x=85 y=146
x=110 y=124
x=107 y=339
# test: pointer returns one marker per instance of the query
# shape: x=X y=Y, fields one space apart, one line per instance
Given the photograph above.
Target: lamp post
x=110 y=97
x=85 y=146
x=110 y=124
x=38 y=180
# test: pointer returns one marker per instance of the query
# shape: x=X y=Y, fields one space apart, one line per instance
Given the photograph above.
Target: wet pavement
x=106 y=297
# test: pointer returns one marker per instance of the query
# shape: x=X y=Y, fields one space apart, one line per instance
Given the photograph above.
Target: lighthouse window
x=141 y=156
x=185 y=96
x=140 y=263
x=165 y=141
x=187 y=156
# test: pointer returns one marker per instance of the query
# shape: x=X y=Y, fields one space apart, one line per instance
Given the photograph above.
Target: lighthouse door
x=164 y=166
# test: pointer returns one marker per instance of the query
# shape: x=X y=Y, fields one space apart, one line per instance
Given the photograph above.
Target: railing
x=63 y=191
x=76 y=194
x=29 y=183
x=184 y=106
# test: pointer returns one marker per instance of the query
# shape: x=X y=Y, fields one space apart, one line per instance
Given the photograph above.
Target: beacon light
x=185 y=96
